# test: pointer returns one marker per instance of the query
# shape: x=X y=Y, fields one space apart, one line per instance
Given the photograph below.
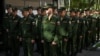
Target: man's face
x=25 y=13
x=30 y=11
x=87 y=12
x=9 y=10
x=39 y=11
x=55 y=11
x=72 y=13
x=63 y=13
x=44 y=13
x=78 y=14
x=15 y=13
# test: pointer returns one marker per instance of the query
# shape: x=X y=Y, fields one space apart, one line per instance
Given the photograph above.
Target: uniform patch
x=33 y=23
x=78 y=21
x=44 y=22
x=73 y=21
x=21 y=22
x=27 y=23
x=16 y=21
x=58 y=23
x=87 y=22
x=5 y=17
x=64 y=21
x=70 y=22
x=52 y=22
x=93 y=20
x=84 y=22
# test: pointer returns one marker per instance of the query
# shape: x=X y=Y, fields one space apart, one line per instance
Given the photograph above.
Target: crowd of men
x=54 y=32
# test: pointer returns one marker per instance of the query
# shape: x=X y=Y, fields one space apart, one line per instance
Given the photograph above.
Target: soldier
x=98 y=28
x=63 y=31
x=73 y=32
x=39 y=38
x=38 y=30
x=93 y=27
x=31 y=12
x=27 y=33
x=13 y=31
x=49 y=33
x=84 y=29
x=79 y=30
x=89 y=31
x=55 y=11
x=38 y=12
x=7 y=44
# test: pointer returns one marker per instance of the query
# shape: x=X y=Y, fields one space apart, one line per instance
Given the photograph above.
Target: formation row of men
x=55 y=33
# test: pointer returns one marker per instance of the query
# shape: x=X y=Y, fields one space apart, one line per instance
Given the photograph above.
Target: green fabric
x=49 y=27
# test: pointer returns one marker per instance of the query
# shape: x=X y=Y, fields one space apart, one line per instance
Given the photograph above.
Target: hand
x=81 y=37
x=58 y=23
x=54 y=43
x=96 y=28
x=65 y=39
x=33 y=41
x=42 y=41
x=17 y=37
x=20 y=39
x=7 y=30
x=89 y=31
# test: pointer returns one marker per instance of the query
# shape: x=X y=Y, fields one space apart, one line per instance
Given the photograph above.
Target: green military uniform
x=98 y=28
x=7 y=39
x=89 y=31
x=84 y=32
x=39 y=37
x=63 y=34
x=27 y=33
x=73 y=27
x=30 y=8
x=13 y=31
x=75 y=23
x=81 y=33
x=49 y=35
x=39 y=17
x=93 y=28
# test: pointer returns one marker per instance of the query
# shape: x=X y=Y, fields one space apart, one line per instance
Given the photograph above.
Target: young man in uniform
x=27 y=33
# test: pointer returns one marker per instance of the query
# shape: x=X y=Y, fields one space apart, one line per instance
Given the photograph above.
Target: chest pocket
x=15 y=21
x=25 y=25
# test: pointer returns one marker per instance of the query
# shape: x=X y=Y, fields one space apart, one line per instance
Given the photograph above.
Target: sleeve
x=33 y=29
x=19 y=28
x=56 y=31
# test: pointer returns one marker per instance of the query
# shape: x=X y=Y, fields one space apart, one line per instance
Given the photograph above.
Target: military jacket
x=27 y=27
x=63 y=26
x=49 y=28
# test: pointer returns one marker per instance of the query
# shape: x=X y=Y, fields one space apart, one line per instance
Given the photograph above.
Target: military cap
x=38 y=8
x=86 y=9
x=55 y=7
x=50 y=6
x=14 y=9
x=61 y=9
x=30 y=7
x=82 y=11
x=72 y=10
x=78 y=10
x=43 y=9
x=25 y=9
x=8 y=6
